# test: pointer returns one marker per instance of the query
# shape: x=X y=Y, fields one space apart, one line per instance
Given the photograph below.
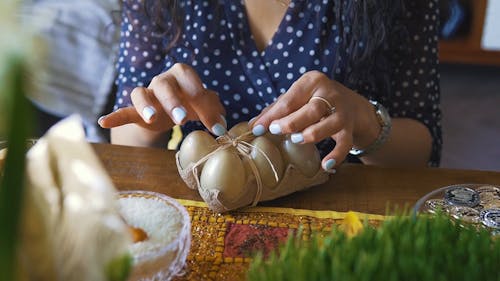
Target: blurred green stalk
x=13 y=182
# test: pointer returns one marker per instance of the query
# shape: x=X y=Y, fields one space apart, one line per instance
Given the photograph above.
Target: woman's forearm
x=409 y=144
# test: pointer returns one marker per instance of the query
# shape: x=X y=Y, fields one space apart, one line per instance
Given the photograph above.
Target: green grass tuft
x=402 y=248
x=119 y=268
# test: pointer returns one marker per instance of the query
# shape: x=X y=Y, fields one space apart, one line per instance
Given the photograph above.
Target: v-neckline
x=254 y=61
x=246 y=22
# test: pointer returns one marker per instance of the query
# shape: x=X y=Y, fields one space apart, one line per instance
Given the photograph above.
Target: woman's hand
x=173 y=97
x=351 y=121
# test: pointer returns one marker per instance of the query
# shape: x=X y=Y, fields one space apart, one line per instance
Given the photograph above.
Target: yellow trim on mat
x=297 y=212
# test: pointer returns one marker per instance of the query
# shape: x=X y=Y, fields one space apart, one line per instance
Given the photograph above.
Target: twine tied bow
x=244 y=148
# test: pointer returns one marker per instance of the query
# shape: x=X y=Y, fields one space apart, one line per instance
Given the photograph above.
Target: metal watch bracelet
x=384 y=120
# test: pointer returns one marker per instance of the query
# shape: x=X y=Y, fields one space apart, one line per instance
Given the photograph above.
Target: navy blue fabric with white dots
x=216 y=41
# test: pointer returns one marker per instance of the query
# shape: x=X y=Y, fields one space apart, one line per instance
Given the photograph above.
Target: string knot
x=244 y=148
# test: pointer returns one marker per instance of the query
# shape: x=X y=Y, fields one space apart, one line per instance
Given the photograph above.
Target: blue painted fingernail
x=258 y=130
x=224 y=120
x=148 y=112
x=251 y=120
x=218 y=129
x=179 y=113
x=329 y=165
x=297 y=138
x=275 y=129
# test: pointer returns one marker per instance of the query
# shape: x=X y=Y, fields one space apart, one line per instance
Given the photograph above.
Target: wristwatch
x=384 y=119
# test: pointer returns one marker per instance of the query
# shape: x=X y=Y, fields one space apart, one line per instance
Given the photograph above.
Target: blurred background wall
x=470 y=100
x=470 y=83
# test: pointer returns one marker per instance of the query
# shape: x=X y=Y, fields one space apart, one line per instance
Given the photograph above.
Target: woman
x=360 y=74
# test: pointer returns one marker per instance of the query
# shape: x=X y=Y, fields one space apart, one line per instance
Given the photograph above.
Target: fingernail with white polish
x=218 y=129
x=328 y=166
x=275 y=129
x=297 y=138
x=258 y=130
x=100 y=119
x=148 y=112
x=251 y=120
x=179 y=113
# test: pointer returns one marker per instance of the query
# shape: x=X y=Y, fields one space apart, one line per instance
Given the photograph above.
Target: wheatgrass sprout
x=402 y=248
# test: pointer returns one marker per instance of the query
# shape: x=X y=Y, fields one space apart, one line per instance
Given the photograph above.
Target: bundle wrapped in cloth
x=71 y=228
x=239 y=169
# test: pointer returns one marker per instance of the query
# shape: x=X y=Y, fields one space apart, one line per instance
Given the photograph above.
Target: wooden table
x=355 y=187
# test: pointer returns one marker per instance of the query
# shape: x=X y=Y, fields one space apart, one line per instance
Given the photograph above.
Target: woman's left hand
x=336 y=112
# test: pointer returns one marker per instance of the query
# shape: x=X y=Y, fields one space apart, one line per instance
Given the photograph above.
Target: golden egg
x=195 y=146
x=305 y=157
x=224 y=171
x=248 y=168
x=262 y=146
x=275 y=139
x=240 y=129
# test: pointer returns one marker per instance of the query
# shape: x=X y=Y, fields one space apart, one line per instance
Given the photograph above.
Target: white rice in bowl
x=163 y=255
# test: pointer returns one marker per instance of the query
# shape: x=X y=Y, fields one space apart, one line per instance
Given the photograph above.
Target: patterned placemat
x=222 y=244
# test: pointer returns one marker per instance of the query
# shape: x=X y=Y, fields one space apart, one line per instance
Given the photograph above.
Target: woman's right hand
x=173 y=97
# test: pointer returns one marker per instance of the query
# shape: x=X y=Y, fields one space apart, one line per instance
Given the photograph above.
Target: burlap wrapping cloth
x=293 y=179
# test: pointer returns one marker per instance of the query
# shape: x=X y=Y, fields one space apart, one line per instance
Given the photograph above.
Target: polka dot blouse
x=218 y=44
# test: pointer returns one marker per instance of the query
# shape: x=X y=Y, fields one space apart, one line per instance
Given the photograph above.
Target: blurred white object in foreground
x=71 y=229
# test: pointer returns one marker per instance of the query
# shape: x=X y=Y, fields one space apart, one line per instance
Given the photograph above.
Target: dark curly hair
x=364 y=36
x=365 y=40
